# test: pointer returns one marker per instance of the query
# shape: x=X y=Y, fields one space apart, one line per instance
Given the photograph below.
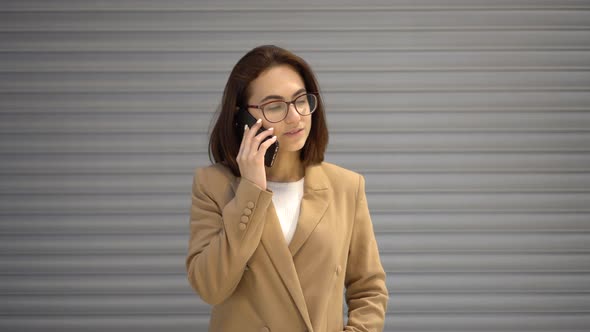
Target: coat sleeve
x=222 y=238
x=366 y=290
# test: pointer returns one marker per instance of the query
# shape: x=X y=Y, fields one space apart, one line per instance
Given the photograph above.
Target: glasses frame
x=289 y=103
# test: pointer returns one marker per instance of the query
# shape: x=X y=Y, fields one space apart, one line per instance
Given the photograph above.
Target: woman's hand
x=251 y=154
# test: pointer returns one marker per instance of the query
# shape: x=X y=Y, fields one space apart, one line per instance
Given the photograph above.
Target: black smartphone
x=243 y=117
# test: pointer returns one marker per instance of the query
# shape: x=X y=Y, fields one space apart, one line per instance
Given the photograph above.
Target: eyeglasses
x=277 y=110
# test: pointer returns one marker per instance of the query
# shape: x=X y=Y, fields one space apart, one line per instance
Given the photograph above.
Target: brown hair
x=224 y=142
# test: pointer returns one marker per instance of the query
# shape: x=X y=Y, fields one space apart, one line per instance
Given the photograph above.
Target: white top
x=287 y=202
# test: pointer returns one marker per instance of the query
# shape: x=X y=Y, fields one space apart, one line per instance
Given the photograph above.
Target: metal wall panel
x=470 y=120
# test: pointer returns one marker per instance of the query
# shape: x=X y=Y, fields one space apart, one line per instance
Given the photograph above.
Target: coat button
x=338 y=270
x=242 y=226
x=244 y=219
x=247 y=211
x=250 y=204
x=265 y=329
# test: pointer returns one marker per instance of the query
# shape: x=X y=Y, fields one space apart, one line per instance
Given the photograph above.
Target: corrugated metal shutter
x=470 y=120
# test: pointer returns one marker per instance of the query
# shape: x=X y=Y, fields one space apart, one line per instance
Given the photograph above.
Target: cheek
x=267 y=125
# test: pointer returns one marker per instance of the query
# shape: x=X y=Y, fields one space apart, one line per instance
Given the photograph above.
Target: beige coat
x=238 y=259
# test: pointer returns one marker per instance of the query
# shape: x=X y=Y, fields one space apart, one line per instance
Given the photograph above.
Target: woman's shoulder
x=338 y=171
x=214 y=173
x=341 y=177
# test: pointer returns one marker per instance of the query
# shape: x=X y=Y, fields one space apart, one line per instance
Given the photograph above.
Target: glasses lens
x=306 y=104
x=275 y=111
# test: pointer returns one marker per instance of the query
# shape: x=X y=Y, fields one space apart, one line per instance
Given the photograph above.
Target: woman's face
x=281 y=83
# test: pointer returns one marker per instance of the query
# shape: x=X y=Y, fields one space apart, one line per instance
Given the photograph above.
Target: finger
x=247 y=144
x=252 y=131
x=243 y=137
x=249 y=137
x=266 y=144
x=264 y=135
x=258 y=139
x=258 y=123
x=242 y=143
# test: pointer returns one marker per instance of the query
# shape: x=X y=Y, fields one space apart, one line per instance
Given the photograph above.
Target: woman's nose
x=292 y=114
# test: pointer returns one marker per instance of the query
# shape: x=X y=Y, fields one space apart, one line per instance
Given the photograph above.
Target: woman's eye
x=274 y=107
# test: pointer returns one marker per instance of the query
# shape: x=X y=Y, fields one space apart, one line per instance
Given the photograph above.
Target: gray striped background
x=469 y=119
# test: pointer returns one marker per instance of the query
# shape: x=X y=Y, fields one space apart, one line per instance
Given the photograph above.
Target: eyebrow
x=274 y=97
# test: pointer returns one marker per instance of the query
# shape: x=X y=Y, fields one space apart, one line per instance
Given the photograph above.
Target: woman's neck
x=287 y=168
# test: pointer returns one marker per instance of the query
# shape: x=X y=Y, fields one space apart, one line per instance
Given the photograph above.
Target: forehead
x=280 y=80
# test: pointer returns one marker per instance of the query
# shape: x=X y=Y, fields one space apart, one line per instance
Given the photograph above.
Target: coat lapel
x=313 y=206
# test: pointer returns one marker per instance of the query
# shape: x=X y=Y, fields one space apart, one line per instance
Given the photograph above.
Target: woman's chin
x=291 y=146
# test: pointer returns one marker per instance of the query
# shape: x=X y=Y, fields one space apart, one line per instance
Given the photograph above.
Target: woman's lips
x=294 y=132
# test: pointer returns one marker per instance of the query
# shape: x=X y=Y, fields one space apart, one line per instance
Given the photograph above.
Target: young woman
x=273 y=248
